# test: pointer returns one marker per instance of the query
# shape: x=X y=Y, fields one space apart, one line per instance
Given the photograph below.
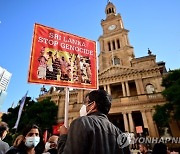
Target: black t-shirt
x=52 y=151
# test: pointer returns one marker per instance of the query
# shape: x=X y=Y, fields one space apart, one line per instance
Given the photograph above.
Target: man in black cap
x=92 y=133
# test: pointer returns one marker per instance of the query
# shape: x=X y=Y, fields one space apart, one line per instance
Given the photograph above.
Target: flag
x=45 y=136
x=20 y=110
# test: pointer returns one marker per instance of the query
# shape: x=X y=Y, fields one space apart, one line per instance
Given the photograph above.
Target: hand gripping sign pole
x=66 y=108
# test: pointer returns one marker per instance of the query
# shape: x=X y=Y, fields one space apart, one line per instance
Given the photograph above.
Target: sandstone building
x=134 y=83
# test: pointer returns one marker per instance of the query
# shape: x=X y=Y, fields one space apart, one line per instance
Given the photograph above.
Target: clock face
x=111 y=27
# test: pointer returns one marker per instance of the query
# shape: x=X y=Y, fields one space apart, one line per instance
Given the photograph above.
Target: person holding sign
x=92 y=133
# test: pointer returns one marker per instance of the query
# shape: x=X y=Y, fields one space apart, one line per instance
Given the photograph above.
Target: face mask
x=32 y=141
x=83 y=111
x=47 y=146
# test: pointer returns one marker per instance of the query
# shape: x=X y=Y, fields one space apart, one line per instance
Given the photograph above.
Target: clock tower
x=115 y=48
x=133 y=83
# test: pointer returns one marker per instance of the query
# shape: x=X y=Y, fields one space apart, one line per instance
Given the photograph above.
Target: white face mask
x=83 y=111
x=32 y=141
x=47 y=146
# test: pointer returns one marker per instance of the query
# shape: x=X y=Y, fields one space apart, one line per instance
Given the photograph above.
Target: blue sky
x=153 y=24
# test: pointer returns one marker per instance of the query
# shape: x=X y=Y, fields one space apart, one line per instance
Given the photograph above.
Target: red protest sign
x=139 y=129
x=62 y=59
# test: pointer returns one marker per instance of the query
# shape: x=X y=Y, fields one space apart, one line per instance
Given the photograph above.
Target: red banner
x=56 y=128
x=62 y=59
x=139 y=129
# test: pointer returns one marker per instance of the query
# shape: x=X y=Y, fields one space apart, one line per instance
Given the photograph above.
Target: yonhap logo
x=126 y=139
x=123 y=140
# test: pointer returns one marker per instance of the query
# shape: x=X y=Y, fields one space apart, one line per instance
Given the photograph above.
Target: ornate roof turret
x=110 y=9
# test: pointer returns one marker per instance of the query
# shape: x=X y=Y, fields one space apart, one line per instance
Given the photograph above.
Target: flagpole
x=22 y=102
x=66 y=108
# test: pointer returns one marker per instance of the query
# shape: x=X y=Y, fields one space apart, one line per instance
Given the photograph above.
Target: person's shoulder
x=13 y=150
x=90 y=118
x=149 y=152
x=82 y=121
x=52 y=151
x=5 y=144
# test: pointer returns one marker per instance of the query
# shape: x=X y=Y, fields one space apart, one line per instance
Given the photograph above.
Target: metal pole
x=66 y=124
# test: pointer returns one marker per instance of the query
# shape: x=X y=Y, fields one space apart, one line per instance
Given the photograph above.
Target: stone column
x=174 y=128
x=155 y=125
x=126 y=126
x=123 y=88
x=116 y=46
x=131 y=123
x=158 y=84
x=127 y=88
x=144 y=119
x=80 y=96
x=141 y=87
x=102 y=45
x=60 y=111
x=137 y=87
x=152 y=129
x=125 y=39
x=108 y=89
x=105 y=88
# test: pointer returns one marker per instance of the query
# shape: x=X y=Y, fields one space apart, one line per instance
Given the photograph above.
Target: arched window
x=150 y=89
x=116 y=61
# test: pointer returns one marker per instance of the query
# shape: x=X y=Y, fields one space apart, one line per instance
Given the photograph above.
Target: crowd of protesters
x=90 y=133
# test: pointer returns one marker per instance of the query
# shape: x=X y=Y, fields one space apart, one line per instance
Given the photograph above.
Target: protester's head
x=18 y=140
x=3 y=129
x=160 y=148
x=143 y=147
x=32 y=136
x=52 y=142
x=99 y=100
x=42 y=60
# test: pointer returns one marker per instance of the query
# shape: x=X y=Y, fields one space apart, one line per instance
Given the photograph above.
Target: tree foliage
x=162 y=114
x=43 y=113
x=172 y=94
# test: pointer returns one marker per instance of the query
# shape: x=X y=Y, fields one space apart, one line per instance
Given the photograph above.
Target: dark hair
x=144 y=145
x=28 y=128
x=40 y=147
x=102 y=99
x=3 y=127
x=159 y=148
